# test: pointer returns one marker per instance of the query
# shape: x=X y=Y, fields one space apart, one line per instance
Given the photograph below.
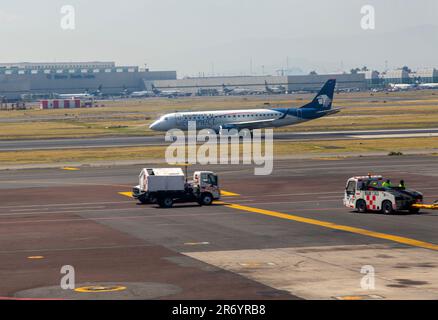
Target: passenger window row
x=229 y=116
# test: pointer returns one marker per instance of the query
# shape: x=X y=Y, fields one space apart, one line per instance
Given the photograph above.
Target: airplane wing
x=250 y=124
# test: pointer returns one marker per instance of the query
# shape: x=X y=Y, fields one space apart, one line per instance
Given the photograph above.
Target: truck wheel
x=414 y=210
x=361 y=206
x=143 y=199
x=206 y=199
x=166 y=202
x=387 y=207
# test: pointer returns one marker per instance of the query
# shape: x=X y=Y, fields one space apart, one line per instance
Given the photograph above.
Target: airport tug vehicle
x=165 y=186
x=369 y=193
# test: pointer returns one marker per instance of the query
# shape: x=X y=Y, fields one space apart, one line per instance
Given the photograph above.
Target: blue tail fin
x=323 y=100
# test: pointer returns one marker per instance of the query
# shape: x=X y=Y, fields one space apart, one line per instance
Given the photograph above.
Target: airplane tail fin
x=154 y=89
x=323 y=100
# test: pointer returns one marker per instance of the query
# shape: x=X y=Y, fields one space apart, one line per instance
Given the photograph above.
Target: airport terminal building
x=38 y=80
x=18 y=79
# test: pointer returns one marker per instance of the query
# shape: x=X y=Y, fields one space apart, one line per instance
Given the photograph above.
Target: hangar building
x=17 y=79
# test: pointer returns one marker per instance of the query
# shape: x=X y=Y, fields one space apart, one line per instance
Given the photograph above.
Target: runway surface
x=283 y=236
x=17 y=145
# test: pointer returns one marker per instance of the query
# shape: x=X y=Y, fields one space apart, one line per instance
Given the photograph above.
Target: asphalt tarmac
x=48 y=144
x=283 y=236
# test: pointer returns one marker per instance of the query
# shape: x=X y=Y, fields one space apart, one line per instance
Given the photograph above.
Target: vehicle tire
x=165 y=202
x=387 y=207
x=414 y=210
x=206 y=199
x=361 y=206
x=143 y=199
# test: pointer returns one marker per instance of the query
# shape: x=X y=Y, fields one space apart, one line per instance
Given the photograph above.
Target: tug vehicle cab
x=371 y=193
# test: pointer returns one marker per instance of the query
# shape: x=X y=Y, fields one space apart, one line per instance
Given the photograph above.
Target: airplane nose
x=154 y=126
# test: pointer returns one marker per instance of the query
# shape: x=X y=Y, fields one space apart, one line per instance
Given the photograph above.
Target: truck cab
x=369 y=193
x=207 y=183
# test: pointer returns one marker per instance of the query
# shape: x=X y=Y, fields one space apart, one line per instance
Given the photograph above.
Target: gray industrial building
x=429 y=75
x=37 y=79
x=398 y=76
x=292 y=83
x=17 y=79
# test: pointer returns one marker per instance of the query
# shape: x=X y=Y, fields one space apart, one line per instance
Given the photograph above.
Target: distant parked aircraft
x=428 y=85
x=274 y=89
x=238 y=91
x=402 y=86
x=171 y=93
x=84 y=95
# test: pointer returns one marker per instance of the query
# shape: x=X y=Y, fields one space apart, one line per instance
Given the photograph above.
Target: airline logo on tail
x=324 y=100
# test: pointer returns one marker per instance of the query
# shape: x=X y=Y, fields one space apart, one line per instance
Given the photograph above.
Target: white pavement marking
x=64 y=204
x=395 y=135
x=57 y=209
x=118 y=217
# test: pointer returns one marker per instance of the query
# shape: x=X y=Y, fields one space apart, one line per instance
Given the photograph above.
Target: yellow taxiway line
x=223 y=193
x=379 y=235
x=426 y=206
x=126 y=194
x=229 y=194
x=330 y=225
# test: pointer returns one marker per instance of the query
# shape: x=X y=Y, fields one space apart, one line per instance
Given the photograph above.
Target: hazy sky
x=223 y=36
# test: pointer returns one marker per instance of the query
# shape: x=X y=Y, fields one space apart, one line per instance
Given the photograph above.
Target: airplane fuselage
x=262 y=118
x=77 y=95
x=251 y=119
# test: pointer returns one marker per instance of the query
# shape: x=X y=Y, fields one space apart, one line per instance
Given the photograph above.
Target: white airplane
x=428 y=85
x=141 y=94
x=401 y=86
x=251 y=119
x=274 y=89
x=169 y=93
x=237 y=91
x=84 y=95
x=75 y=96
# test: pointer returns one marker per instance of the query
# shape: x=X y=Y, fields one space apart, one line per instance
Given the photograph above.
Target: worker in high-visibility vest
x=402 y=184
x=387 y=184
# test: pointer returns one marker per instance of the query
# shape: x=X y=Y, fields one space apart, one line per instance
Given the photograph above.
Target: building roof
x=426 y=73
x=394 y=74
x=57 y=65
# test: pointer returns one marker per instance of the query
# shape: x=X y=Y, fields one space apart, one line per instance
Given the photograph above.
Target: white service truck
x=168 y=185
x=369 y=193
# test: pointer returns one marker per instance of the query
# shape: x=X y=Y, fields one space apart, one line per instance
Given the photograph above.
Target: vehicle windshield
x=351 y=187
x=212 y=179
